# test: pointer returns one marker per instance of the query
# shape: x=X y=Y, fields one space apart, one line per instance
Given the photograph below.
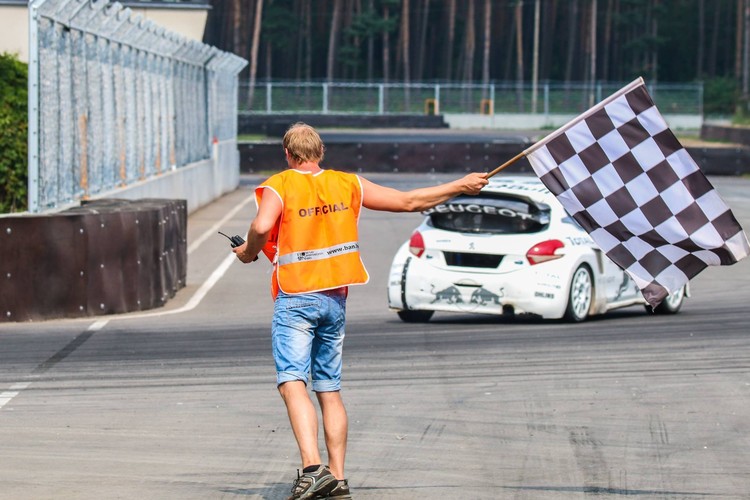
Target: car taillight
x=544 y=251
x=416 y=244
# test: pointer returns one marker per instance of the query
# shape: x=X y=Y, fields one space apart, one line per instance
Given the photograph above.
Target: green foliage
x=720 y=96
x=366 y=24
x=13 y=134
x=277 y=17
x=741 y=115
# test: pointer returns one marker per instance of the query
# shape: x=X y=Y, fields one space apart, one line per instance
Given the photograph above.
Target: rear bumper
x=417 y=285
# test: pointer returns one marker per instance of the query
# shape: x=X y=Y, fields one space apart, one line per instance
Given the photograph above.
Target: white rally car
x=510 y=250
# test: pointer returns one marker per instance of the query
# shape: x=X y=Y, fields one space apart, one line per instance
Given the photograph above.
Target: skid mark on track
x=589 y=457
x=70 y=347
x=432 y=432
x=539 y=416
x=660 y=445
x=15 y=389
x=658 y=430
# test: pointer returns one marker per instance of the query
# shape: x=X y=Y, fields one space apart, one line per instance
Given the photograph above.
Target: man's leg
x=304 y=420
x=335 y=425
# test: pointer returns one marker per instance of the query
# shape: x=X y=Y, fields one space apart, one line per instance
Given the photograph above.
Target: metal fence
x=399 y=98
x=115 y=99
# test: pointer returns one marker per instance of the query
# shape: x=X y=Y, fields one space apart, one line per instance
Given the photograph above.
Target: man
x=306 y=225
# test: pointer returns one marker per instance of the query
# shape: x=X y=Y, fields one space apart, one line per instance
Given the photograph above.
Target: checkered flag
x=622 y=174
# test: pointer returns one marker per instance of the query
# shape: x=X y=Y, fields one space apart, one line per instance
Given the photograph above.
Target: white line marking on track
x=15 y=390
x=98 y=325
x=197 y=296
x=6 y=396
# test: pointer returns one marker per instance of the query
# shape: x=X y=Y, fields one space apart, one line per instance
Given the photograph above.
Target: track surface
x=180 y=402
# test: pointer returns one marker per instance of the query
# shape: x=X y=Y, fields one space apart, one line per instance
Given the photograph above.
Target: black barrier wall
x=390 y=156
x=276 y=124
x=450 y=157
x=104 y=257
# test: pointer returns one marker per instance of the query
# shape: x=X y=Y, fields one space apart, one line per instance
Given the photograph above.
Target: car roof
x=527 y=186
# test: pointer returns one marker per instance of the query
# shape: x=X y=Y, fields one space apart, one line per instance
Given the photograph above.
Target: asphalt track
x=179 y=402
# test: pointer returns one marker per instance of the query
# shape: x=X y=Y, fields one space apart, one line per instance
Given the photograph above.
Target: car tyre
x=580 y=295
x=415 y=316
x=670 y=305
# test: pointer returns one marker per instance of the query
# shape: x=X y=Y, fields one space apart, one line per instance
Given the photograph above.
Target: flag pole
x=507 y=163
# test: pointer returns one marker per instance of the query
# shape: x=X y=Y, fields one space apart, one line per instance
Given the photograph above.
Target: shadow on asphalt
x=482 y=319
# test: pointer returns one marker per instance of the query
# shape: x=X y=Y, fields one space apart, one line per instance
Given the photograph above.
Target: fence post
x=381 y=98
x=269 y=100
x=325 y=98
x=33 y=111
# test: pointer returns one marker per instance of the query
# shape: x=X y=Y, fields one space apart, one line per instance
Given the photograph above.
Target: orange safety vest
x=315 y=245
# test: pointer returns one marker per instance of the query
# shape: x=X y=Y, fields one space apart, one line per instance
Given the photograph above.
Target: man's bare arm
x=377 y=197
x=269 y=211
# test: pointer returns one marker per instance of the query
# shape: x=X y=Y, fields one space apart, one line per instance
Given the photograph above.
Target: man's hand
x=243 y=255
x=269 y=211
x=473 y=183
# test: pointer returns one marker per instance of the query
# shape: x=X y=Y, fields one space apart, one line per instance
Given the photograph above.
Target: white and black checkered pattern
x=622 y=174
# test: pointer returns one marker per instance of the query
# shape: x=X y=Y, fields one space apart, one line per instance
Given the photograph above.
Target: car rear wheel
x=671 y=304
x=415 y=316
x=580 y=295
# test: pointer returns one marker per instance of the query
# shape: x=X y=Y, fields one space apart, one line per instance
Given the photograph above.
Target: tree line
x=482 y=40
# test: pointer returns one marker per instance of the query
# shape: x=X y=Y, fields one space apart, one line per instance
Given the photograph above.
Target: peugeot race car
x=512 y=249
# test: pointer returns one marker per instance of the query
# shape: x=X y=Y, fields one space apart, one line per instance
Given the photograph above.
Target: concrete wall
x=510 y=121
x=198 y=183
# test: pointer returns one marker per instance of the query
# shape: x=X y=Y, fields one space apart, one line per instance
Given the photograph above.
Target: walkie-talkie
x=236 y=241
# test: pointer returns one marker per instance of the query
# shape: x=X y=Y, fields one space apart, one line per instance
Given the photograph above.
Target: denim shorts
x=307 y=335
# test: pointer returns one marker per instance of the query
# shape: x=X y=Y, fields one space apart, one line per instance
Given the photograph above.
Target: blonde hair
x=303 y=143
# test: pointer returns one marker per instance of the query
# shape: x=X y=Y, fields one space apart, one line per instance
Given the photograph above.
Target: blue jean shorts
x=307 y=335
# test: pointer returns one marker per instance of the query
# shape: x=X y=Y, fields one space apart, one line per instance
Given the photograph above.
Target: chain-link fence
x=399 y=98
x=115 y=99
